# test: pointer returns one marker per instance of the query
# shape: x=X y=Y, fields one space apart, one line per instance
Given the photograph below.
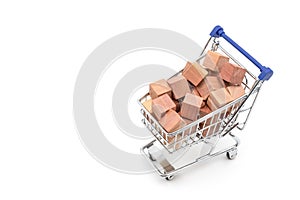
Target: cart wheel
x=169 y=178
x=231 y=154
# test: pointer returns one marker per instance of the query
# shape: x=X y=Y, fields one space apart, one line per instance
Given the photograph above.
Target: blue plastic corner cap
x=217 y=32
x=265 y=74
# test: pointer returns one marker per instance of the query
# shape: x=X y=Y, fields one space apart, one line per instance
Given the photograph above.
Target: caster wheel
x=169 y=178
x=231 y=154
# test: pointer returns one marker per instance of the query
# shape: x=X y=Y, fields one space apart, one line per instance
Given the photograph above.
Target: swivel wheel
x=169 y=178
x=231 y=154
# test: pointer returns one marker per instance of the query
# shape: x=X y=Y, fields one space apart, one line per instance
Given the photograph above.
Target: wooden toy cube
x=190 y=106
x=212 y=106
x=232 y=73
x=210 y=83
x=181 y=125
x=193 y=129
x=214 y=61
x=159 y=88
x=236 y=91
x=219 y=98
x=210 y=125
x=179 y=86
x=194 y=73
x=170 y=121
x=204 y=111
x=195 y=92
x=148 y=105
x=211 y=129
x=161 y=105
x=175 y=141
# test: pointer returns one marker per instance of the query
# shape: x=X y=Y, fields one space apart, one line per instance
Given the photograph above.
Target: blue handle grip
x=266 y=72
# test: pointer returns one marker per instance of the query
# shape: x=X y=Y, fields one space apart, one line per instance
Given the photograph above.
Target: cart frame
x=212 y=127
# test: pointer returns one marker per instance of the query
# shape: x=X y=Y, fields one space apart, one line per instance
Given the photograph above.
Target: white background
x=42 y=47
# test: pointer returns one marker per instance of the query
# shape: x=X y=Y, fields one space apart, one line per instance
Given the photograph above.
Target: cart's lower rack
x=167 y=167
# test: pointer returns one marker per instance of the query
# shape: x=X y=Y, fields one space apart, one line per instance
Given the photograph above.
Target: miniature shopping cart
x=204 y=136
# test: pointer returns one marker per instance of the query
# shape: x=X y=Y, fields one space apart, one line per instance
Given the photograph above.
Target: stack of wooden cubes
x=197 y=91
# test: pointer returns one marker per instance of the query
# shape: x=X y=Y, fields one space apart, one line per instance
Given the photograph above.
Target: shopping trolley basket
x=168 y=148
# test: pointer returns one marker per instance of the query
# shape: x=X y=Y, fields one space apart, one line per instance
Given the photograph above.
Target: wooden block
x=161 y=105
x=211 y=130
x=190 y=106
x=204 y=111
x=170 y=121
x=209 y=84
x=187 y=121
x=194 y=72
x=148 y=105
x=195 y=92
x=208 y=126
x=171 y=139
x=227 y=84
x=211 y=104
x=192 y=130
x=219 y=98
x=180 y=137
x=236 y=91
x=179 y=86
x=214 y=61
x=182 y=125
x=175 y=141
x=159 y=88
x=232 y=73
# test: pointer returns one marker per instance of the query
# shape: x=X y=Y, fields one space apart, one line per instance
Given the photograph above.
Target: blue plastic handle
x=266 y=72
